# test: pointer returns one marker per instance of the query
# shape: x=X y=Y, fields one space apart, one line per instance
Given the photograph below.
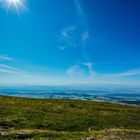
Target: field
x=58 y=119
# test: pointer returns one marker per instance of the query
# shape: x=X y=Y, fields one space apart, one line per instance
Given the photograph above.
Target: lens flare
x=18 y=5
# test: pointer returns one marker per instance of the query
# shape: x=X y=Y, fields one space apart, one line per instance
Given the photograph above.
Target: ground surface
x=57 y=119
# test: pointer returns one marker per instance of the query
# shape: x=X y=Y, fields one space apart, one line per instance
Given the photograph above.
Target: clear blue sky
x=70 y=41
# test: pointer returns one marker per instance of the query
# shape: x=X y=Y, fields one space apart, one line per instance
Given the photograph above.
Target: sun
x=18 y=5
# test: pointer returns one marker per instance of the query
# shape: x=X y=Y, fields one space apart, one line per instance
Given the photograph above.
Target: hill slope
x=67 y=119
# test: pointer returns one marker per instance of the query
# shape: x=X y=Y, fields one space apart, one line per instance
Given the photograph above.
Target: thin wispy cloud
x=5 y=58
x=78 y=6
x=73 y=37
x=80 y=12
x=122 y=75
x=76 y=35
x=67 y=38
x=92 y=72
x=67 y=31
x=85 y=36
x=82 y=70
x=89 y=75
x=132 y=72
x=75 y=71
x=8 y=69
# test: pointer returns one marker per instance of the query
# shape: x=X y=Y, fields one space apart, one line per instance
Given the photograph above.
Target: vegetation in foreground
x=56 y=119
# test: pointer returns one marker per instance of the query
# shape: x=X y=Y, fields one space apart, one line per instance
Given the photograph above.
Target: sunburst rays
x=18 y=5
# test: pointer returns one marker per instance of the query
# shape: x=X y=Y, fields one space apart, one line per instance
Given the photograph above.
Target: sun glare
x=18 y=5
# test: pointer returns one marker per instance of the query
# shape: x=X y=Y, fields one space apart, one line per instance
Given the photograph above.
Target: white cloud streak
x=75 y=72
x=82 y=70
x=132 y=72
x=92 y=72
x=122 y=77
x=90 y=76
x=5 y=68
x=68 y=38
x=5 y=58
x=8 y=69
x=85 y=36
x=67 y=31
x=80 y=11
x=76 y=35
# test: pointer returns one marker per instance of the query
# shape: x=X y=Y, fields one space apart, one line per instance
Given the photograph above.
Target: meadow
x=56 y=119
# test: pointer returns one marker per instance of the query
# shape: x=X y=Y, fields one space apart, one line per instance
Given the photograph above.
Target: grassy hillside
x=66 y=119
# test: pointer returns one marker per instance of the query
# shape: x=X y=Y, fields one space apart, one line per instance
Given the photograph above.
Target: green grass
x=64 y=119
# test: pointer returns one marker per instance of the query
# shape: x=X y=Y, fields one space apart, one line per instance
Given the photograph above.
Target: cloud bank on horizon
x=75 y=42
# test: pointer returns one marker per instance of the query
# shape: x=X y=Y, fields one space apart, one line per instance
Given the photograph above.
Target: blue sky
x=52 y=42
